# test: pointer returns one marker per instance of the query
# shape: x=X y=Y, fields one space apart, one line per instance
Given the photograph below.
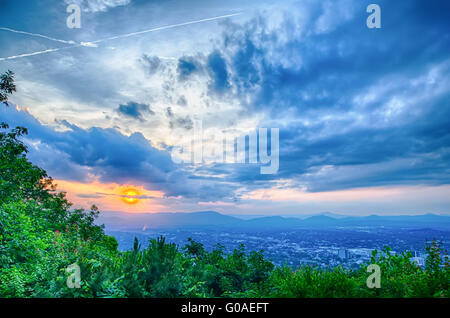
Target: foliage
x=41 y=235
x=7 y=86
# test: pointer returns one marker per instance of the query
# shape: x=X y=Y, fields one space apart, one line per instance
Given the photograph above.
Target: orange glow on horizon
x=371 y=194
x=112 y=196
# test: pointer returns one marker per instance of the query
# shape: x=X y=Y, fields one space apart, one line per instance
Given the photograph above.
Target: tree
x=40 y=234
x=7 y=86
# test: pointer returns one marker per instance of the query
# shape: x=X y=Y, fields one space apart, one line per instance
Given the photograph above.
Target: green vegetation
x=41 y=235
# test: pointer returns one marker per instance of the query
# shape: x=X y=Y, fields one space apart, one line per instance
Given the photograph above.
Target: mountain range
x=211 y=219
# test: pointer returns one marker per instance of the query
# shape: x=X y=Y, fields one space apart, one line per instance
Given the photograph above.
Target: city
x=319 y=248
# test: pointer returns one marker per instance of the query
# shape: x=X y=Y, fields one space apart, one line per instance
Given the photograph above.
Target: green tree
x=7 y=86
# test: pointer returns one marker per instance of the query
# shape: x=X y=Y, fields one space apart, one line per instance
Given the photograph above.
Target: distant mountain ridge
x=167 y=219
x=212 y=219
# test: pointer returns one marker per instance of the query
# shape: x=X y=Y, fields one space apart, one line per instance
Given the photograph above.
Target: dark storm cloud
x=218 y=72
x=152 y=63
x=335 y=64
x=326 y=74
x=135 y=110
x=115 y=157
x=213 y=65
x=78 y=153
x=186 y=66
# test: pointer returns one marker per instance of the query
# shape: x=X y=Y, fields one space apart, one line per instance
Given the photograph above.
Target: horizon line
x=282 y=215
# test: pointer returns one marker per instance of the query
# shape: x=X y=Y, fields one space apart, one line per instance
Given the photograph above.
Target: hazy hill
x=117 y=220
x=211 y=219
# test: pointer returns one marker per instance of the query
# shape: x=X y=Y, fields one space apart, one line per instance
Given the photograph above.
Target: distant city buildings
x=343 y=254
x=418 y=260
x=317 y=248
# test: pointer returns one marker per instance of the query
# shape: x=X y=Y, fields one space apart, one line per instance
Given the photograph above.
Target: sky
x=363 y=113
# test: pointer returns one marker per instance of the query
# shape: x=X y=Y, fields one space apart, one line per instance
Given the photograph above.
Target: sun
x=129 y=196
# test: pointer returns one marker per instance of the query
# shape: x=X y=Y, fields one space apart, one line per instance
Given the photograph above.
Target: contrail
x=28 y=54
x=36 y=53
x=38 y=35
x=94 y=43
x=165 y=27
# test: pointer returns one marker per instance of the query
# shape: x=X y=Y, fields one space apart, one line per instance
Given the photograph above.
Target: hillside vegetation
x=41 y=236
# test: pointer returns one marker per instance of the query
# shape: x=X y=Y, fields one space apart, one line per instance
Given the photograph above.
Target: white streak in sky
x=38 y=35
x=27 y=54
x=36 y=53
x=94 y=43
x=166 y=27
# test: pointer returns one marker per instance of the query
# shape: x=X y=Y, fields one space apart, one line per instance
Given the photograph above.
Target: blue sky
x=363 y=113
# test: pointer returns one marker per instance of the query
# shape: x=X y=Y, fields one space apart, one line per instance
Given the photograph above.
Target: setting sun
x=129 y=196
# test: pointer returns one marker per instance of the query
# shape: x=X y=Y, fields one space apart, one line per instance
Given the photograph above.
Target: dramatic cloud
x=152 y=63
x=187 y=66
x=108 y=156
x=357 y=108
x=135 y=110
x=218 y=70
x=112 y=155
